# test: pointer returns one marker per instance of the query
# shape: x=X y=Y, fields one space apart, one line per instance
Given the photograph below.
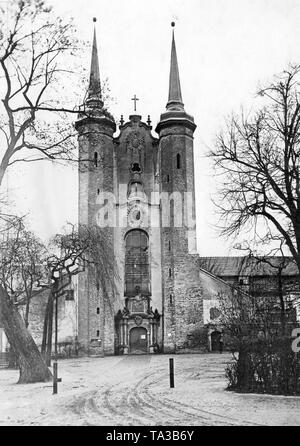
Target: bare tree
x=21 y=268
x=275 y=267
x=34 y=47
x=72 y=253
x=257 y=157
x=37 y=53
x=61 y=266
x=33 y=52
x=31 y=365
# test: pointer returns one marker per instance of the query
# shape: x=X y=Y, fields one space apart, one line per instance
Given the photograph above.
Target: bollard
x=55 y=378
x=171 y=364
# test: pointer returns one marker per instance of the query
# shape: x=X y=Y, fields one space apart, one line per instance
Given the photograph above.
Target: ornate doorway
x=138 y=340
x=137 y=324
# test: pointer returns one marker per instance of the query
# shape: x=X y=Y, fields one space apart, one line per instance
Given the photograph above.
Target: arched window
x=96 y=159
x=137 y=270
x=136 y=190
x=178 y=161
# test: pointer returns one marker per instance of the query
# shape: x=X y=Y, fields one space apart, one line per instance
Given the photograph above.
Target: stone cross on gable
x=135 y=99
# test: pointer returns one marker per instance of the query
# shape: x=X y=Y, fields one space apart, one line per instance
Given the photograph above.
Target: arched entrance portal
x=215 y=341
x=138 y=340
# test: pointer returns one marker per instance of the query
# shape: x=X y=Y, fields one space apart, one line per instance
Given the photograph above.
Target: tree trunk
x=13 y=359
x=32 y=366
x=26 y=318
x=50 y=331
x=282 y=305
x=243 y=378
x=45 y=327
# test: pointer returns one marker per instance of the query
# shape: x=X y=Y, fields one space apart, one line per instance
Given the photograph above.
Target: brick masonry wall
x=95 y=136
x=181 y=286
x=67 y=321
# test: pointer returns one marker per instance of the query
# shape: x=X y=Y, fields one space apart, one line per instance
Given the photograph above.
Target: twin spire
x=175 y=98
x=94 y=97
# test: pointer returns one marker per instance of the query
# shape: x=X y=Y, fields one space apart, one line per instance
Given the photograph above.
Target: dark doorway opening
x=215 y=341
x=138 y=340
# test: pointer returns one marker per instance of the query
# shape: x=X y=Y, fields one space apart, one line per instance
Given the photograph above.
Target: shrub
x=265 y=366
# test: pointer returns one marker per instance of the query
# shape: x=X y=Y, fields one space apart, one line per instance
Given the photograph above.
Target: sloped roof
x=247 y=266
x=212 y=286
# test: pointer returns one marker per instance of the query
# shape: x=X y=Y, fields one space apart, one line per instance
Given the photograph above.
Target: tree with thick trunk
x=32 y=366
x=36 y=115
x=33 y=53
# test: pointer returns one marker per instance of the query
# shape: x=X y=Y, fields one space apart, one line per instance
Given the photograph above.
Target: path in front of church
x=134 y=390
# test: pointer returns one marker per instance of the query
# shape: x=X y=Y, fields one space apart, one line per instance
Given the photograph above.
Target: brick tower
x=95 y=127
x=180 y=273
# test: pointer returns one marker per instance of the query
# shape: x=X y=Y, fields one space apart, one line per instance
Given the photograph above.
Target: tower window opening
x=98 y=191
x=135 y=167
x=106 y=215
x=168 y=178
x=98 y=310
x=98 y=333
x=169 y=245
x=96 y=159
x=178 y=161
x=170 y=272
x=171 y=299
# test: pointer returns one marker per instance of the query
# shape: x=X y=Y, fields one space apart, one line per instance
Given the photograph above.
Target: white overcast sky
x=224 y=48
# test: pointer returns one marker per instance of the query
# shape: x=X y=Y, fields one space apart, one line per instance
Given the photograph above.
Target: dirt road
x=134 y=390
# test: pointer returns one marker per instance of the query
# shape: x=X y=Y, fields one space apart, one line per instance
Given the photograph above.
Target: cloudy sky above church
x=225 y=49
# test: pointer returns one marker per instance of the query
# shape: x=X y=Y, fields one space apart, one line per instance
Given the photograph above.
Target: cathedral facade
x=139 y=189
x=153 y=292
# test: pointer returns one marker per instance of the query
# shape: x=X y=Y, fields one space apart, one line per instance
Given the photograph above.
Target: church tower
x=180 y=272
x=95 y=127
x=139 y=189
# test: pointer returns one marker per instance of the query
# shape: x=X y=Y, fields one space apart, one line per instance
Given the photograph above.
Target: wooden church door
x=138 y=340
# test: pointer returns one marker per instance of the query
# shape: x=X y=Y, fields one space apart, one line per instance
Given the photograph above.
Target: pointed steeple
x=94 y=98
x=175 y=98
x=175 y=114
x=93 y=107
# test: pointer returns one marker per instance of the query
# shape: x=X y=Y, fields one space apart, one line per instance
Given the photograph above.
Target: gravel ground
x=134 y=390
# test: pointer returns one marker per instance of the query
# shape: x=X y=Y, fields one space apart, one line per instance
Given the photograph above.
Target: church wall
x=182 y=292
x=67 y=318
x=95 y=313
x=133 y=166
x=135 y=144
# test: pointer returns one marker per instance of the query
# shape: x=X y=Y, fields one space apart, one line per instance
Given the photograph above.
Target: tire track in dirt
x=164 y=404
x=135 y=400
x=213 y=418
x=133 y=405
